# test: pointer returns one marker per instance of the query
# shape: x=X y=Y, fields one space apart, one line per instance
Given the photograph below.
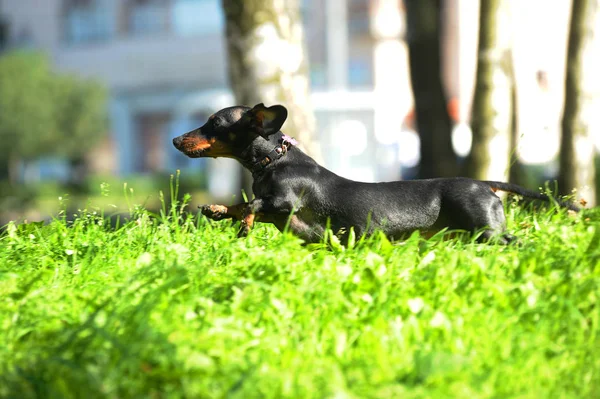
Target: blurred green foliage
x=44 y=113
x=39 y=200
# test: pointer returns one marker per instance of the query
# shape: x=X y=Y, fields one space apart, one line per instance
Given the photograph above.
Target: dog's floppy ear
x=268 y=120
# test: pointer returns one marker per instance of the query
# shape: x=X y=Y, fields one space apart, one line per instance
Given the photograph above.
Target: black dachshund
x=292 y=190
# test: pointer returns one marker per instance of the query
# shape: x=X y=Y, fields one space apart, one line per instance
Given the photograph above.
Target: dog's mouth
x=194 y=154
x=194 y=147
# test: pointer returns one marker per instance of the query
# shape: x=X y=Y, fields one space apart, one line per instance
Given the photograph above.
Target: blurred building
x=155 y=56
x=165 y=64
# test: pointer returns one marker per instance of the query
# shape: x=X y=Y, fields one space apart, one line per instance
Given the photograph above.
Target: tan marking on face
x=217 y=148
x=200 y=144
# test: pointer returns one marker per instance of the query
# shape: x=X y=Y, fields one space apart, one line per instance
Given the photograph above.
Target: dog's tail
x=514 y=189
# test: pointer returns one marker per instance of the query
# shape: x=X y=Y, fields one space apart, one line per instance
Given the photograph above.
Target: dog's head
x=229 y=131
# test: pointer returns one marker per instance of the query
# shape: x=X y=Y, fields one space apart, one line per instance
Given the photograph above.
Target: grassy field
x=171 y=305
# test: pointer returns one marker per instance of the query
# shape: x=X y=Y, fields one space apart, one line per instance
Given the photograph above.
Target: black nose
x=177 y=141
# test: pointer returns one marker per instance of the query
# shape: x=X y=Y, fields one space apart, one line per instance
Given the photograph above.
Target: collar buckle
x=275 y=153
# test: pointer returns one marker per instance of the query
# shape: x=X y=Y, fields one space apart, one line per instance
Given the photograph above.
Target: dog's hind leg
x=491 y=217
x=499 y=237
x=481 y=210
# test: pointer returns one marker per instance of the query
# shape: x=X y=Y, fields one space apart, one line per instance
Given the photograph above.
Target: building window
x=147 y=17
x=87 y=21
x=314 y=20
x=196 y=17
x=360 y=57
x=151 y=131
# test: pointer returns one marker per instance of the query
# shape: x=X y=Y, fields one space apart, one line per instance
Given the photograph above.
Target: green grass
x=171 y=305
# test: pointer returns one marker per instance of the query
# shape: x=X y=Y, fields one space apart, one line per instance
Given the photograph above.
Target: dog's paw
x=244 y=230
x=214 y=212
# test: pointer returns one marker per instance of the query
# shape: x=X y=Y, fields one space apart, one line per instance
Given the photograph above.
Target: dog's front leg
x=245 y=212
x=250 y=212
x=220 y=212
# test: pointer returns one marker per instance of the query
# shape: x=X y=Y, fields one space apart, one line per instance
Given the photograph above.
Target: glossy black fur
x=296 y=185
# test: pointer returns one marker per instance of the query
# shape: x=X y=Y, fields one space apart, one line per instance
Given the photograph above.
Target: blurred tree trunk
x=13 y=167
x=433 y=122
x=491 y=117
x=268 y=64
x=577 y=148
x=516 y=173
x=79 y=171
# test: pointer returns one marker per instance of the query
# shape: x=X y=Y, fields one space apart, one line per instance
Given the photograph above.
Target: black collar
x=276 y=153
